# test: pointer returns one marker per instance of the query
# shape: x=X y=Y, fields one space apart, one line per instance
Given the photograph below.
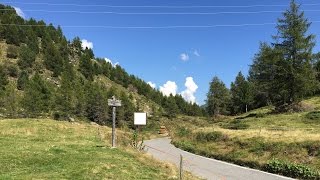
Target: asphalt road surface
x=203 y=167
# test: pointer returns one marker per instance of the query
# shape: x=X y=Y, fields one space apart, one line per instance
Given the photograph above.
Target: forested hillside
x=44 y=74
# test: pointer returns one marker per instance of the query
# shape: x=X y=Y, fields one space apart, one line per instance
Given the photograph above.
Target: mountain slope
x=69 y=80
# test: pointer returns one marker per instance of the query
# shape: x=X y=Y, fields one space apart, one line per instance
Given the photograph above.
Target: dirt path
x=203 y=167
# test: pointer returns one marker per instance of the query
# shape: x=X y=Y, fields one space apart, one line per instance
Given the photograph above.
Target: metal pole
x=113 y=127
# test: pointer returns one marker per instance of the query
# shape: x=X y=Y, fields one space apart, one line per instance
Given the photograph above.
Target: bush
x=291 y=170
x=314 y=115
x=185 y=145
x=312 y=147
x=12 y=70
x=12 y=52
x=60 y=116
x=236 y=125
x=182 y=132
x=210 y=136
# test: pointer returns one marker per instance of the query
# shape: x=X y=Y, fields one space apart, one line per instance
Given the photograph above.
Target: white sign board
x=140 y=118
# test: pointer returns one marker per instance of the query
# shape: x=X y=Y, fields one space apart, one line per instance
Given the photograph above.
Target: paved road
x=204 y=167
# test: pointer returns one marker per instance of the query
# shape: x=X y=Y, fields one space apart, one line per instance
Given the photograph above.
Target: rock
x=71 y=119
x=94 y=124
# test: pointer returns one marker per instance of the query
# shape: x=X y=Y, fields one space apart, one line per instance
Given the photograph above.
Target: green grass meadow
x=47 y=149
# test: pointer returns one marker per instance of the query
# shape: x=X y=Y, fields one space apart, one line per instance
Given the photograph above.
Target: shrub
x=291 y=170
x=60 y=116
x=185 y=145
x=12 y=70
x=313 y=148
x=12 y=52
x=210 y=136
x=182 y=132
x=236 y=125
x=314 y=115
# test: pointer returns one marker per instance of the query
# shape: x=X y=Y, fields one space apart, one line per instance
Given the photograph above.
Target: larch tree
x=218 y=98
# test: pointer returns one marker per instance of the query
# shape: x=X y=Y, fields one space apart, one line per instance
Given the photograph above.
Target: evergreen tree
x=22 y=80
x=76 y=45
x=27 y=57
x=96 y=104
x=86 y=67
x=241 y=94
x=3 y=83
x=125 y=112
x=284 y=71
x=53 y=60
x=37 y=96
x=295 y=72
x=218 y=98
x=65 y=99
x=316 y=59
x=171 y=107
x=11 y=101
x=3 y=79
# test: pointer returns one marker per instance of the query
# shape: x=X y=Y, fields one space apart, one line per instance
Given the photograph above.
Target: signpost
x=140 y=119
x=114 y=103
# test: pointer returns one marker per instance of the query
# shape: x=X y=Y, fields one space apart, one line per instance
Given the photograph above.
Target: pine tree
x=125 y=112
x=295 y=72
x=96 y=104
x=170 y=106
x=86 y=67
x=218 y=98
x=65 y=99
x=3 y=83
x=27 y=57
x=53 y=60
x=22 y=80
x=283 y=73
x=241 y=94
x=3 y=79
x=11 y=101
x=37 y=96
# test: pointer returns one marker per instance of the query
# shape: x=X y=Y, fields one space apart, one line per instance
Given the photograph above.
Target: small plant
x=291 y=170
x=314 y=115
x=236 y=125
x=12 y=52
x=135 y=142
x=183 y=132
x=210 y=136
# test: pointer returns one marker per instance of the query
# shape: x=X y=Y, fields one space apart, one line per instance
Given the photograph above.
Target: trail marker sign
x=114 y=103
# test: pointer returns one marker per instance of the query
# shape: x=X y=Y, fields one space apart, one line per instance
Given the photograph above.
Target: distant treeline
x=44 y=74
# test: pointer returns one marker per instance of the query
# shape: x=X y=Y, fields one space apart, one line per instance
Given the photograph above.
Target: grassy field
x=48 y=149
x=255 y=138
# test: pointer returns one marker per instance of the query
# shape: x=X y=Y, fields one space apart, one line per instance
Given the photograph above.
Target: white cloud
x=20 y=12
x=110 y=61
x=184 y=57
x=196 y=53
x=86 y=44
x=168 y=88
x=191 y=88
x=153 y=85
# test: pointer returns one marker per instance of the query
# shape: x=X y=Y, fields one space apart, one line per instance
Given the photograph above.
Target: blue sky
x=172 y=54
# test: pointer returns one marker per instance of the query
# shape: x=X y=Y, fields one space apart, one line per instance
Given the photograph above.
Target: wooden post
x=114 y=103
x=181 y=168
x=113 y=127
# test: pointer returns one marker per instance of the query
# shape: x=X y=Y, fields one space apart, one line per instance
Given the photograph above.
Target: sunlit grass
x=47 y=149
